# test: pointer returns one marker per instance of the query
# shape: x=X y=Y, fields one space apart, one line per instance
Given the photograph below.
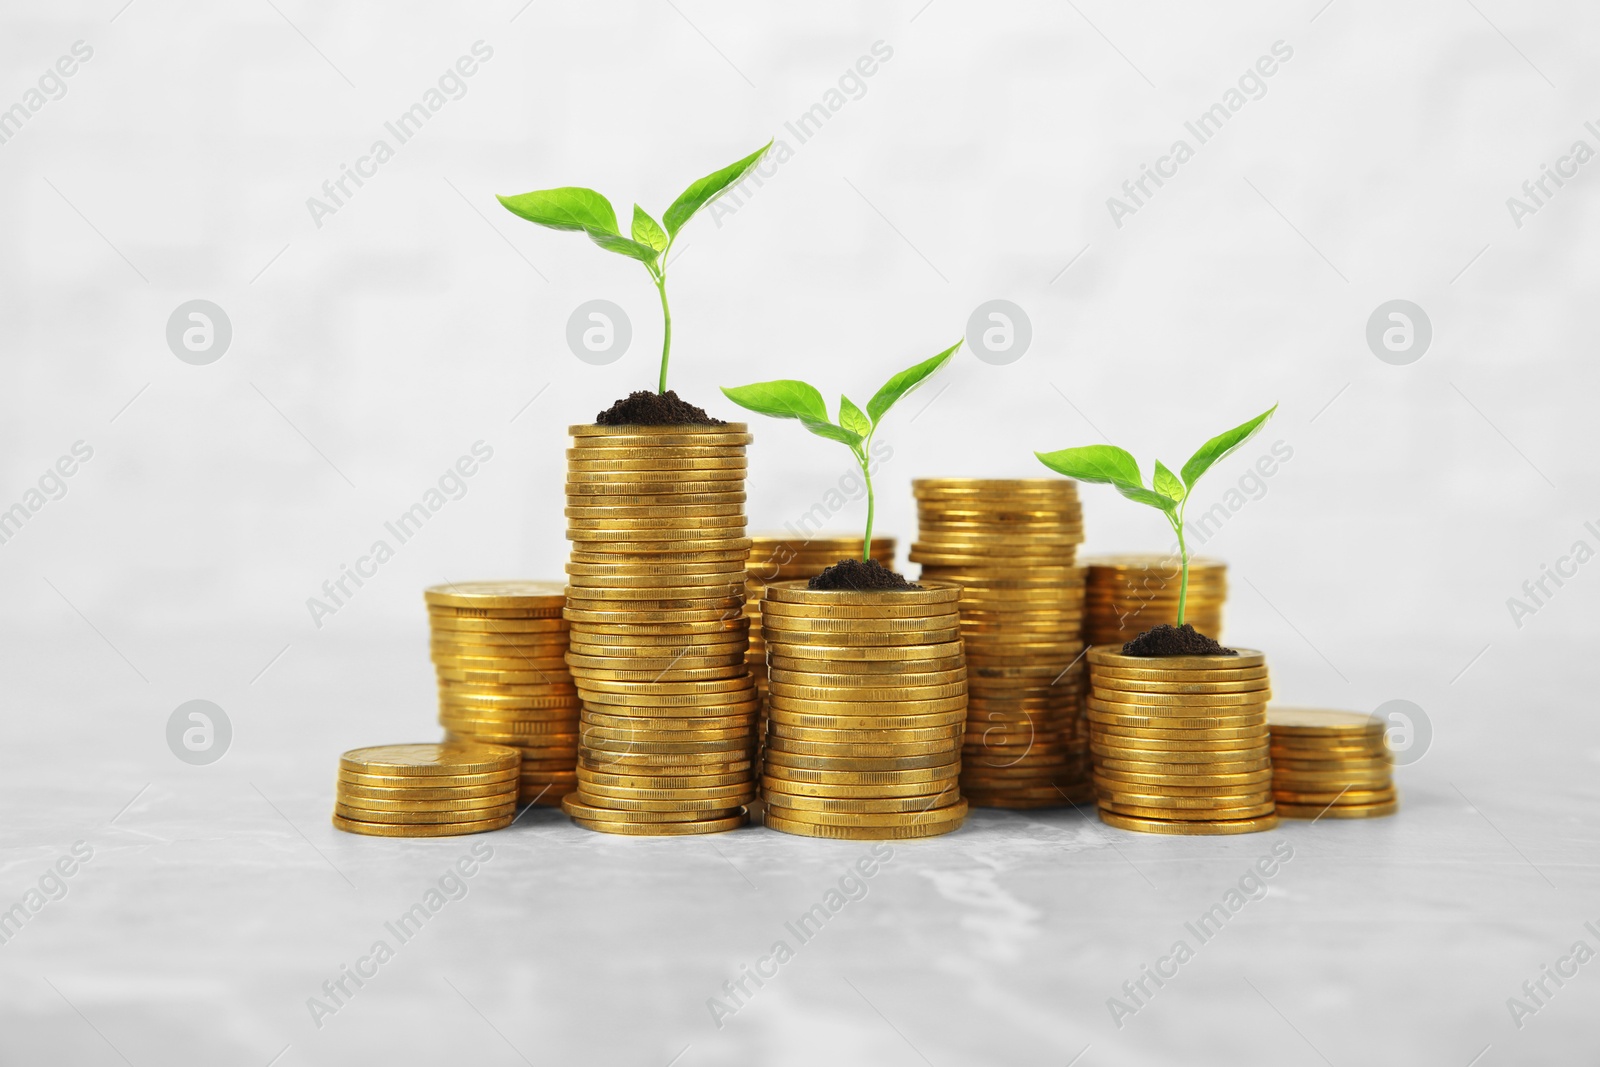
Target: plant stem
x=866 y=542
x=1183 y=554
x=666 y=332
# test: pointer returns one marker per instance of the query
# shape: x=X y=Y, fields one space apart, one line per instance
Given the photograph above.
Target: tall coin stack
x=867 y=699
x=1011 y=545
x=429 y=790
x=667 y=739
x=1130 y=594
x=1180 y=742
x=500 y=652
x=1331 y=763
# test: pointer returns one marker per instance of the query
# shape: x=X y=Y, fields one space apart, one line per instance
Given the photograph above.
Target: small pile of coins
x=500 y=652
x=1331 y=763
x=667 y=737
x=1180 y=742
x=1010 y=544
x=428 y=790
x=1130 y=594
x=866 y=711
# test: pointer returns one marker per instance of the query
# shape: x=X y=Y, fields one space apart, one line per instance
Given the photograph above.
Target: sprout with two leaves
x=788 y=399
x=1170 y=492
x=576 y=208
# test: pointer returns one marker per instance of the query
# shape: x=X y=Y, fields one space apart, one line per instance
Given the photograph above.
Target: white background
x=369 y=353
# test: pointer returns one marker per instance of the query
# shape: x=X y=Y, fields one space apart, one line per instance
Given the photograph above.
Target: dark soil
x=1182 y=640
x=860 y=574
x=644 y=408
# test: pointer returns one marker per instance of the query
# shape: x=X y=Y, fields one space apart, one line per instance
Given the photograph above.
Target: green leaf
x=1145 y=496
x=702 y=192
x=832 y=432
x=782 y=399
x=569 y=208
x=1096 y=463
x=853 y=418
x=1222 y=446
x=625 y=247
x=647 y=231
x=1167 y=484
x=904 y=382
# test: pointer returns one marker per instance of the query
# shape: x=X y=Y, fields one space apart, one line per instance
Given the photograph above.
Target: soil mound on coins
x=860 y=574
x=1182 y=640
x=644 y=408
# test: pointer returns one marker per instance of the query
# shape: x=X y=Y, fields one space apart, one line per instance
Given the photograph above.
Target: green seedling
x=788 y=399
x=576 y=208
x=1169 y=493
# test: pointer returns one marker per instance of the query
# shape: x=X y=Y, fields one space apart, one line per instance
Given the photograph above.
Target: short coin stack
x=1010 y=544
x=500 y=652
x=1130 y=594
x=782 y=557
x=655 y=515
x=431 y=790
x=1180 y=742
x=1330 y=763
x=866 y=710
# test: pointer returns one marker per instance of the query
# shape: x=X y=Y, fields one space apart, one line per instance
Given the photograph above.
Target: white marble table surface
x=218 y=900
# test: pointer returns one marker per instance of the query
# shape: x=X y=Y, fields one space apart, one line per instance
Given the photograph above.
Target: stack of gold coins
x=432 y=790
x=1180 y=742
x=1333 y=763
x=783 y=557
x=1130 y=594
x=1010 y=544
x=500 y=652
x=867 y=703
x=667 y=739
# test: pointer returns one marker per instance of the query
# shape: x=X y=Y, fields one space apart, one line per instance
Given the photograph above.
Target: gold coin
x=1163 y=778
x=427 y=760
x=665 y=829
x=553 y=611
x=669 y=587
x=782 y=763
x=371 y=815
x=1125 y=674
x=1111 y=735
x=446 y=829
x=1194 y=829
x=580 y=806
x=1318 y=722
x=1111 y=686
x=943 y=649
x=602 y=433
x=860 y=693
x=1196 y=757
x=780 y=729
x=947 y=657
x=730 y=796
x=511 y=661
x=431 y=781
x=463 y=625
x=800 y=615
x=787 y=771
x=639 y=739
x=618 y=780
x=916 y=679
x=788 y=641
x=421 y=793
x=643 y=494
x=555 y=721
x=1204 y=815
x=778 y=705
x=775 y=625
x=701 y=808
x=593 y=717
x=945 y=748
x=468 y=806
x=1338 y=811
x=927 y=827
x=452 y=698
x=499 y=594
x=862 y=805
x=799 y=720
x=1126 y=802
x=1343 y=796
x=950 y=812
x=1173 y=703
x=1149 y=746
x=1251 y=719
x=924 y=792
